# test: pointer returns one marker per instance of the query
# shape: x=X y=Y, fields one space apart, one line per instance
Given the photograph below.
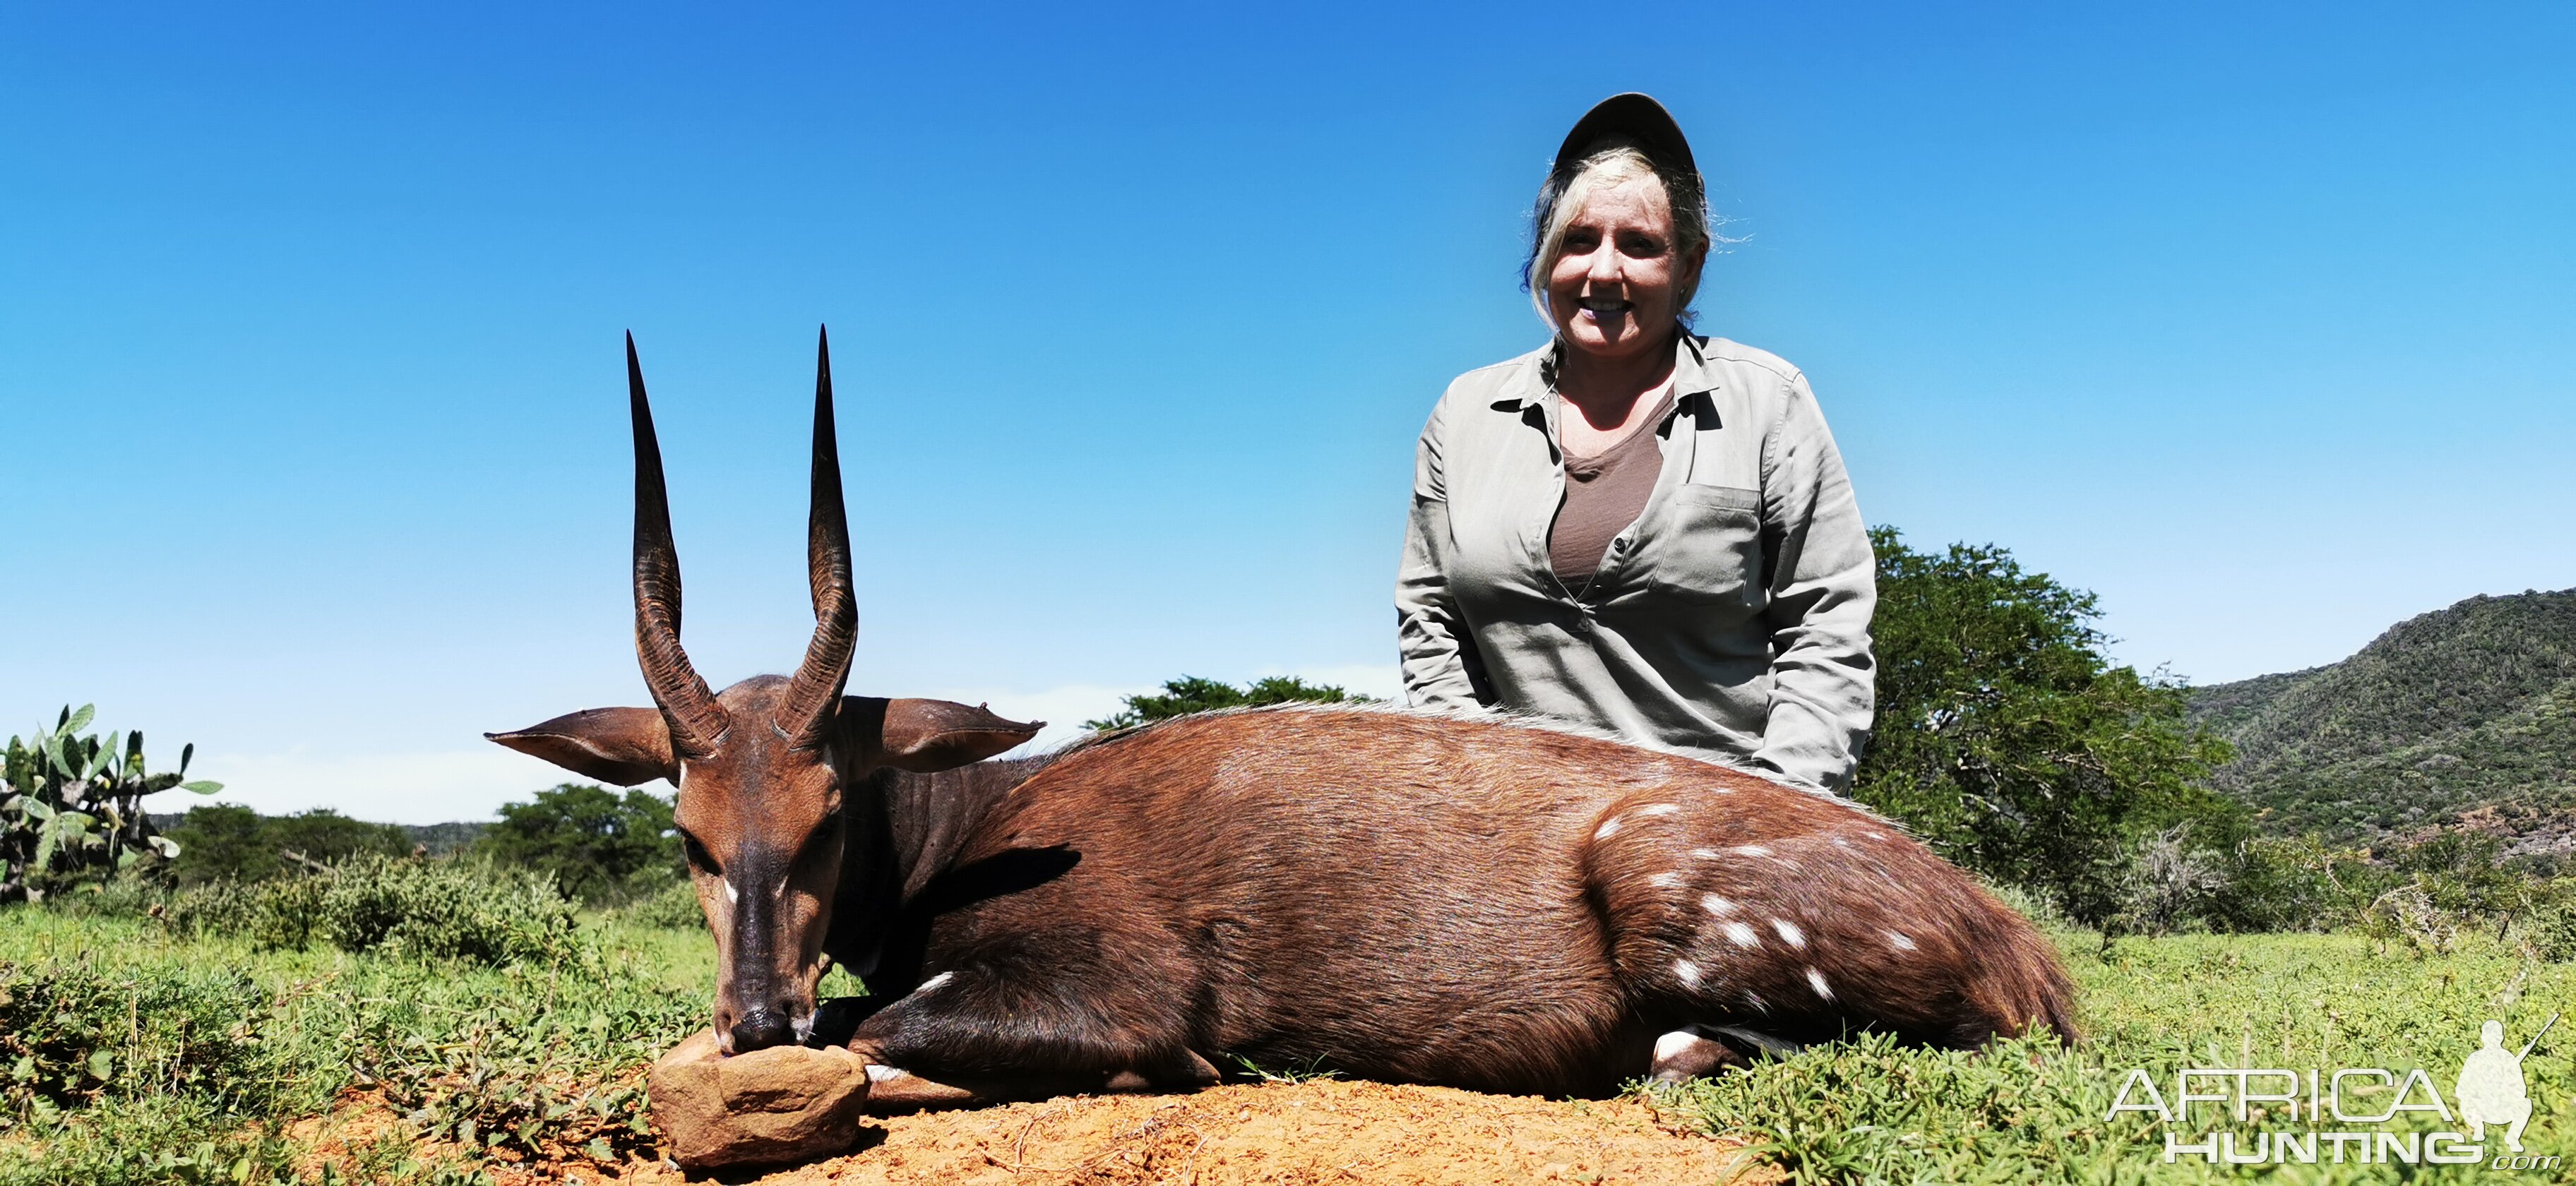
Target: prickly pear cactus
x=71 y=807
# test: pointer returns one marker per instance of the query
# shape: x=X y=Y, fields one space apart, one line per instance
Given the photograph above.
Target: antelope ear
x=926 y=735
x=623 y=746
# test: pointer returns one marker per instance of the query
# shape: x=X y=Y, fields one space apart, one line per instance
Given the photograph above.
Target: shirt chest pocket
x=1707 y=546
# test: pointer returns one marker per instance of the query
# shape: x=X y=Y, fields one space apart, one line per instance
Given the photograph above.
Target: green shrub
x=445 y=910
x=2552 y=929
x=543 y=1065
x=673 y=907
x=277 y=915
x=432 y=909
x=72 y=1035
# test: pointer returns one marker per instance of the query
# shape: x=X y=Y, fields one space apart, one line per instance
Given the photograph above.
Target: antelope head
x=762 y=767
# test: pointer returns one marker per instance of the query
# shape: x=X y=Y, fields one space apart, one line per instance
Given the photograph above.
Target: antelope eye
x=820 y=840
x=697 y=854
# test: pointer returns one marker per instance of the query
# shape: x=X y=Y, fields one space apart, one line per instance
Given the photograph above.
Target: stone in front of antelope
x=785 y=1103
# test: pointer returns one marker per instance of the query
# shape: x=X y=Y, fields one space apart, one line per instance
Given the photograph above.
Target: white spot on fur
x=1659 y=809
x=1816 y=980
x=1897 y=940
x=1688 y=971
x=1841 y=842
x=1674 y=1044
x=1875 y=835
x=1716 y=905
x=936 y=981
x=1705 y=854
x=1752 y=850
x=1609 y=828
x=1789 y=932
x=1742 y=935
x=1665 y=881
x=880 y=1073
x=732 y=895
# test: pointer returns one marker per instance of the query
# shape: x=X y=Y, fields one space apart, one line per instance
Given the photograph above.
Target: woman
x=1636 y=528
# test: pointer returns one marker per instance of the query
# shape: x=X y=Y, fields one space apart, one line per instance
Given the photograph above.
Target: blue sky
x=2253 y=319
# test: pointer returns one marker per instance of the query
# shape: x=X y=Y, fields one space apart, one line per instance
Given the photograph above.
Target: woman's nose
x=1606 y=267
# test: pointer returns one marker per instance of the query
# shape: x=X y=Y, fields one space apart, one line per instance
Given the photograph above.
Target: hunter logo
x=2334 y=1116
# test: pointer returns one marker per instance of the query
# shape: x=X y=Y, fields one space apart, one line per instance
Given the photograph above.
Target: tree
x=328 y=837
x=220 y=841
x=597 y=844
x=1190 y=694
x=2008 y=740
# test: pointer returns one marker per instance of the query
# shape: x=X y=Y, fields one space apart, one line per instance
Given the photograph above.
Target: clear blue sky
x=2255 y=319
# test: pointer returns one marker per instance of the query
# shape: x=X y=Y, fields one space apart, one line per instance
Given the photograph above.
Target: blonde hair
x=1563 y=198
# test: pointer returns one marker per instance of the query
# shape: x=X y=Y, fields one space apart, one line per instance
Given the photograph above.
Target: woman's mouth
x=1600 y=307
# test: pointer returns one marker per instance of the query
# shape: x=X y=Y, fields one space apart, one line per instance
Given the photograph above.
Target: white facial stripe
x=733 y=897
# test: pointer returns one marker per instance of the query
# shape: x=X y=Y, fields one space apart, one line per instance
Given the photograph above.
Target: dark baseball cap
x=1633 y=119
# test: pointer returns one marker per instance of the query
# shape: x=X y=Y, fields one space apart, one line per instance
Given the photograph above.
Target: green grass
x=2029 y=1112
x=128 y=1055
x=136 y=1056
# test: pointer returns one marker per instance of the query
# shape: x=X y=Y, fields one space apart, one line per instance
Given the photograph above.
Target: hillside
x=2469 y=710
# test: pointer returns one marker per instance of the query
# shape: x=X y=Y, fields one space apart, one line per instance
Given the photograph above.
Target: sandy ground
x=1306 y=1134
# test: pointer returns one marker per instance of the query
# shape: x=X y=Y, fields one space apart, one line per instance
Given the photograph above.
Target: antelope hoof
x=894 y=1090
x=1685 y=1054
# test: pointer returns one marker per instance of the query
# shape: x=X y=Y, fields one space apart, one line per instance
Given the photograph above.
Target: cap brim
x=1634 y=118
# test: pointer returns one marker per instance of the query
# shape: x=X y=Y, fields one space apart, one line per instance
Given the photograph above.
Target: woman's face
x=1616 y=288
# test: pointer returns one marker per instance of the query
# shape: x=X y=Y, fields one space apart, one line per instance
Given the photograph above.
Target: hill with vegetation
x=2464 y=714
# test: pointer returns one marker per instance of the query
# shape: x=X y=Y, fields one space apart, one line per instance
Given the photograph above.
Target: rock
x=786 y=1103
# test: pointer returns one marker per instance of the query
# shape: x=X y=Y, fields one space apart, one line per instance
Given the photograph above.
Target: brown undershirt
x=1604 y=493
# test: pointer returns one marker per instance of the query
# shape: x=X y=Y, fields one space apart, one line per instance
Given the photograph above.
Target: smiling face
x=1617 y=283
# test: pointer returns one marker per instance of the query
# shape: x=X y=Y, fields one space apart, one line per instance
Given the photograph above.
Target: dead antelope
x=1395 y=895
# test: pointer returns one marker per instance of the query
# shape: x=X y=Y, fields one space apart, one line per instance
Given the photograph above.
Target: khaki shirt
x=1730 y=621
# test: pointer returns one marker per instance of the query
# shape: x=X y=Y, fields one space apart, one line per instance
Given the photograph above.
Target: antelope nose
x=761 y=1029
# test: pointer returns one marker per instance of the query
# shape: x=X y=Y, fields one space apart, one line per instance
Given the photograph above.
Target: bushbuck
x=1478 y=902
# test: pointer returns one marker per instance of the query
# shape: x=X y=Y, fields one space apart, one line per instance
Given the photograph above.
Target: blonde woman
x=1636 y=528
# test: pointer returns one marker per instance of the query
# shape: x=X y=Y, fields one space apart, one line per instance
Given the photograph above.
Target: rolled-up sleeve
x=1823 y=588
x=1430 y=638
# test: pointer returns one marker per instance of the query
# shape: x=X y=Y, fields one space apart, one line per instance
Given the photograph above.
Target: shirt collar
x=1690 y=374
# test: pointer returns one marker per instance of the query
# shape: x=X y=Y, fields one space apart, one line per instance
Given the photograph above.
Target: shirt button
x=1618 y=545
